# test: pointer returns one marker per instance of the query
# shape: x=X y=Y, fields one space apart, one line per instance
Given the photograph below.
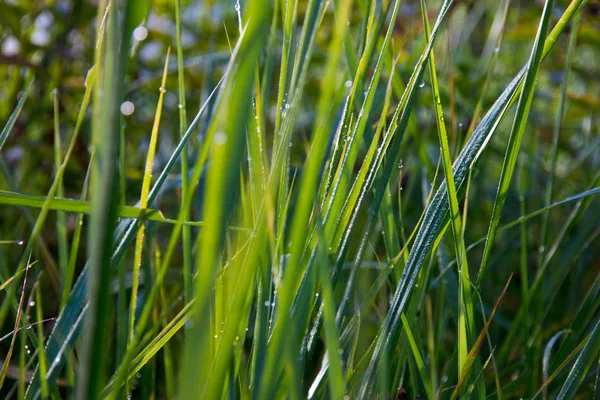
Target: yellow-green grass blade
x=139 y=242
x=75 y=206
x=465 y=306
x=468 y=365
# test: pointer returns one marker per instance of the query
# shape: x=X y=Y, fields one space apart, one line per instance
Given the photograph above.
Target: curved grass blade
x=582 y=365
x=139 y=241
x=15 y=114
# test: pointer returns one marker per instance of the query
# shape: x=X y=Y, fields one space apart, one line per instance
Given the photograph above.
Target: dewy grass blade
x=516 y=134
x=280 y=342
x=139 y=242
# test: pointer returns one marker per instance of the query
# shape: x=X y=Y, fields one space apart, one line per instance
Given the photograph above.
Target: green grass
x=333 y=222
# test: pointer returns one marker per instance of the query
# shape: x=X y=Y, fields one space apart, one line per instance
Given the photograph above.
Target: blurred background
x=54 y=42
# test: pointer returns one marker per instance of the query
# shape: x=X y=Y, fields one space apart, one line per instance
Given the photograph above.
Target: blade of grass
x=15 y=114
x=584 y=361
x=545 y=229
x=61 y=228
x=516 y=134
x=465 y=306
x=139 y=242
x=40 y=331
x=477 y=345
x=108 y=93
x=186 y=231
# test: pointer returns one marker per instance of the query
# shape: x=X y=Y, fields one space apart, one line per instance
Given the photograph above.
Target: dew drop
x=31 y=303
x=422 y=84
x=20 y=242
x=348 y=83
x=140 y=33
x=127 y=108
x=496 y=49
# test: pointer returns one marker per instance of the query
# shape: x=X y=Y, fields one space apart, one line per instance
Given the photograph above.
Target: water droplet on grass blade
x=140 y=33
x=127 y=108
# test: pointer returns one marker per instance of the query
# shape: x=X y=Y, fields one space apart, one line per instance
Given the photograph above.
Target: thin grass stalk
x=139 y=243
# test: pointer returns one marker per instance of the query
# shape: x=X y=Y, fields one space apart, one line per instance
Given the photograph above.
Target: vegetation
x=344 y=199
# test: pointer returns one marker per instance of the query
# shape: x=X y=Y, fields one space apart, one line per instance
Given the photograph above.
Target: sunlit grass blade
x=139 y=241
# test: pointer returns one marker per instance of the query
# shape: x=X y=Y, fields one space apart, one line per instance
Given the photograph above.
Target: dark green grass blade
x=15 y=114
